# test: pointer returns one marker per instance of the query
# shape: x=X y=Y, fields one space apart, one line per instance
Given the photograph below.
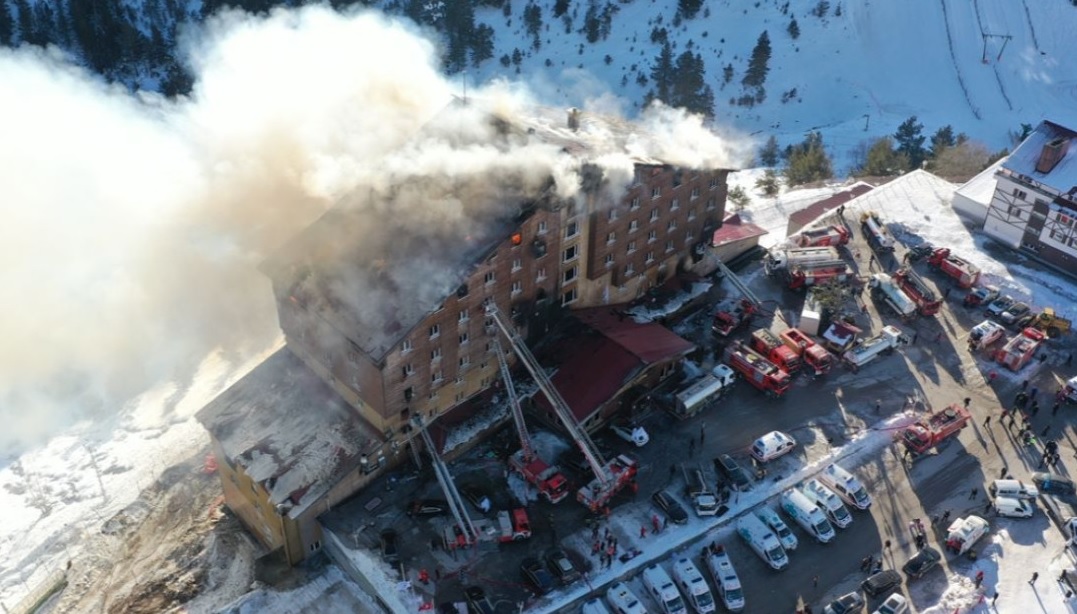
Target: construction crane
x=610 y=476
x=468 y=532
x=547 y=478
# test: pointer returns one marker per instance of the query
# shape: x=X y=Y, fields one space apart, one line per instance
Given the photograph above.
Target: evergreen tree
x=459 y=26
x=7 y=25
x=768 y=155
x=688 y=9
x=882 y=160
x=592 y=25
x=943 y=138
x=794 y=29
x=26 y=20
x=727 y=73
x=560 y=7
x=808 y=161
x=482 y=44
x=661 y=75
x=756 y=74
x=910 y=141
x=533 y=21
x=689 y=85
x=768 y=183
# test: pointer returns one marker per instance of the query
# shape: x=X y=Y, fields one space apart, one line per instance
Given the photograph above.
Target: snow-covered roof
x=981 y=188
x=1023 y=160
x=288 y=430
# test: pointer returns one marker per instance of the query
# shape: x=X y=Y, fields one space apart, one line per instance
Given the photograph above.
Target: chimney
x=1053 y=152
x=574 y=119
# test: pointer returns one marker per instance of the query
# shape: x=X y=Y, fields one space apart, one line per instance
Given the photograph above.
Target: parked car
x=477 y=600
x=980 y=296
x=562 y=566
x=894 y=604
x=1000 y=304
x=633 y=434
x=389 y=550
x=772 y=445
x=670 y=507
x=737 y=476
x=1053 y=484
x=1014 y=313
x=427 y=507
x=922 y=562
x=478 y=497
x=919 y=252
x=1012 y=507
x=536 y=575
x=881 y=583
x=848 y=603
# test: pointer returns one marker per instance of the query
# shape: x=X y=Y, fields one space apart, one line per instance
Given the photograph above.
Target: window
x=433 y=395
x=654 y=214
x=465 y=360
x=669 y=246
x=435 y=330
x=633 y=226
x=710 y=204
x=688 y=237
x=540 y=275
x=488 y=278
x=656 y=192
x=435 y=354
x=571 y=253
x=678 y=178
x=652 y=236
x=463 y=316
x=542 y=228
x=611 y=238
x=409 y=394
x=631 y=246
x=650 y=257
x=630 y=270
x=635 y=204
x=609 y=260
x=671 y=225
x=409 y=370
x=1020 y=194
x=572 y=229
x=569 y=296
x=713 y=182
x=674 y=204
x=404 y=349
x=695 y=193
x=570 y=274
x=517 y=287
x=436 y=377
x=612 y=215
x=692 y=213
x=517 y=264
x=464 y=338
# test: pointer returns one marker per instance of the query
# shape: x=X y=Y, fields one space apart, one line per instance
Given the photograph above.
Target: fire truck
x=611 y=476
x=1021 y=349
x=811 y=353
x=805 y=267
x=821 y=237
x=547 y=478
x=927 y=302
x=879 y=238
x=888 y=339
x=886 y=290
x=758 y=371
x=731 y=314
x=924 y=435
x=962 y=271
x=772 y=348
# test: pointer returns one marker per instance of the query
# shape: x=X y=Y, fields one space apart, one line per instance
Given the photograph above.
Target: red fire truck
x=820 y=237
x=758 y=371
x=927 y=302
x=962 y=271
x=924 y=435
x=772 y=348
x=813 y=354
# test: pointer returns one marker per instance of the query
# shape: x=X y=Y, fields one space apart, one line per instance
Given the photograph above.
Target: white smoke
x=133 y=225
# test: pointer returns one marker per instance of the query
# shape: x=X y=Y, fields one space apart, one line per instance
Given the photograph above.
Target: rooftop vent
x=1053 y=152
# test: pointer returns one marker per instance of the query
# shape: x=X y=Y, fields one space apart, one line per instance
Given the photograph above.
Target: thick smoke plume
x=133 y=225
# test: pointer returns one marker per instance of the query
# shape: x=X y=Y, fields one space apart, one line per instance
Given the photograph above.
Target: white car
x=772 y=445
x=1012 y=507
x=894 y=604
x=632 y=434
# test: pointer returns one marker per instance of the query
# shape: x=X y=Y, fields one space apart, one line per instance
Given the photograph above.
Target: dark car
x=562 y=566
x=881 y=583
x=846 y=604
x=999 y=305
x=923 y=562
x=389 y=550
x=669 y=506
x=1014 y=313
x=478 y=497
x=919 y=252
x=427 y=507
x=737 y=476
x=537 y=576
x=477 y=600
x=1053 y=484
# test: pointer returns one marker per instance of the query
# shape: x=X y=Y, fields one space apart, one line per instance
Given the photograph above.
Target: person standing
x=987 y=421
x=1043 y=433
x=967 y=401
x=1035 y=575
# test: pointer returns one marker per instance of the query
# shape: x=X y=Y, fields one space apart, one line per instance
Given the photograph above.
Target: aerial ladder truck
x=547 y=478
x=464 y=533
x=610 y=476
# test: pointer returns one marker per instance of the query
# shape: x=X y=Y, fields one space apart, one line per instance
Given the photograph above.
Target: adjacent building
x=386 y=325
x=1034 y=205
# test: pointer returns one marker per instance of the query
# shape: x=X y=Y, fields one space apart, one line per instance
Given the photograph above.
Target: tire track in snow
x=953 y=59
x=1031 y=28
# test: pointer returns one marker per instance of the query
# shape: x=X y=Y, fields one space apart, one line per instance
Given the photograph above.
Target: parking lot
x=821 y=414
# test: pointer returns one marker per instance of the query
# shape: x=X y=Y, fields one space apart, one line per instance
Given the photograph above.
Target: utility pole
x=867 y=120
x=1005 y=40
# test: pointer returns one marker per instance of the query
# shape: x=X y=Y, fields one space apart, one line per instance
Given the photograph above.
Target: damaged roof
x=289 y=431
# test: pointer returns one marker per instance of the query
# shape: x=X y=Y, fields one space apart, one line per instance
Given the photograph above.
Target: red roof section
x=735 y=229
x=818 y=209
x=650 y=342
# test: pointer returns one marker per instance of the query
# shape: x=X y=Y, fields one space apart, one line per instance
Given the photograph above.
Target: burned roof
x=289 y=431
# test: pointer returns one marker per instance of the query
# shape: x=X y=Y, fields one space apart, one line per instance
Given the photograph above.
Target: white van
x=805 y=513
x=624 y=601
x=1012 y=507
x=1013 y=488
x=785 y=535
x=771 y=446
x=725 y=578
x=696 y=592
x=829 y=502
x=846 y=486
x=964 y=532
x=763 y=541
x=594 y=606
x=662 y=590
